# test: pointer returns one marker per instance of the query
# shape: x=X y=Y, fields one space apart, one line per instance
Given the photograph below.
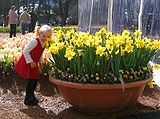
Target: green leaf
x=122 y=81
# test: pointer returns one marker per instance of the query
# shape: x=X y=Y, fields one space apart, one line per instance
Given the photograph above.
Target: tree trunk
x=66 y=8
x=61 y=11
x=63 y=8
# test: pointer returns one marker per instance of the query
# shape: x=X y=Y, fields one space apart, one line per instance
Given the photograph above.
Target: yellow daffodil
x=69 y=53
x=109 y=45
x=90 y=42
x=103 y=31
x=156 y=44
x=60 y=45
x=125 y=33
x=100 y=50
x=129 y=48
x=78 y=42
x=108 y=34
x=151 y=84
x=53 y=49
x=157 y=66
x=137 y=33
x=140 y=43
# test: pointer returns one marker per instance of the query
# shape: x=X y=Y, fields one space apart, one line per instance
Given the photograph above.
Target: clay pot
x=100 y=97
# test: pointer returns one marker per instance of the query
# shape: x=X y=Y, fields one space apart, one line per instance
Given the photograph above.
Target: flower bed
x=11 y=49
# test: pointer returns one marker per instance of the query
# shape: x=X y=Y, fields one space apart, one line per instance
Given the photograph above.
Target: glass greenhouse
x=117 y=15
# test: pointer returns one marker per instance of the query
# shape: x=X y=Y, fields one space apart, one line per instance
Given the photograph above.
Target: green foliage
x=64 y=29
x=7 y=29
x=6 y=67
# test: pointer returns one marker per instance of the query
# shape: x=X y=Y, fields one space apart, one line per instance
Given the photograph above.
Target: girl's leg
x=30 y=88
x=34 y=85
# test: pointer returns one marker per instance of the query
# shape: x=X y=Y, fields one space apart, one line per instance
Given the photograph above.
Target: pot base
x=100 y=97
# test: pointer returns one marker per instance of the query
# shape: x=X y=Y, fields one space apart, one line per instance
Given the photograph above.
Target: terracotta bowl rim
x=99 y=86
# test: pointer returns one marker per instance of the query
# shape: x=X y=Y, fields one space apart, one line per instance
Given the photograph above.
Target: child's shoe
x=30 y=102
x=34 y=98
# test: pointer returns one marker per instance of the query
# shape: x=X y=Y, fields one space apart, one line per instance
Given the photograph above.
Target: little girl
x=30 y=62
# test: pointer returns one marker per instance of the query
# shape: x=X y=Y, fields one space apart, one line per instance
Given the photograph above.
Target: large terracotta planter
x=100 y=97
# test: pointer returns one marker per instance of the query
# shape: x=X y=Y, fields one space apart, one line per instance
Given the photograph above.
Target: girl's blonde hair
x=43 y=29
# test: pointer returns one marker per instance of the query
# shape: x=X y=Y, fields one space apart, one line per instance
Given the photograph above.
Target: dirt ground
x=52 y=106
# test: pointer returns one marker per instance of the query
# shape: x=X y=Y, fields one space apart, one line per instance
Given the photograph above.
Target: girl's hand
x=33 y=65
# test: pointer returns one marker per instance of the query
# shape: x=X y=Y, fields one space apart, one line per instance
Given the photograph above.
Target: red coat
x=24 y=69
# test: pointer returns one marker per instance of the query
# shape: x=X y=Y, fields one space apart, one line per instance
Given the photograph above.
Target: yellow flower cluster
x=105 y=43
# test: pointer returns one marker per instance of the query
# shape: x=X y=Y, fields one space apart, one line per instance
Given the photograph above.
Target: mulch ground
x=52 y=105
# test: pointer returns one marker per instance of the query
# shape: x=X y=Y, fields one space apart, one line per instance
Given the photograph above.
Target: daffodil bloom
x=157 y=66
x=69 y=34
x=129 y=48
x=60 y=45
x=122 y=52
x=100 y=50
x=148 y=43
x=97 y=41
x=138 y=33
x=120 y=40
x=90 y=42
x=83 y=36
x=113 y=38
x=140 y=43
x=108 y=34
x=109 y=45
x=69 y=53
x=125 y=33
x=53 y=49
x=151 y=84
x=79 y=42
x=155 y=44
x=103 y=31
x=98 y=35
